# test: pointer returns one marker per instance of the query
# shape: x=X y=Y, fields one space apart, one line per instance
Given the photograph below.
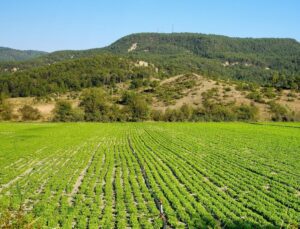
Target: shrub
x=6 y=110
x=29 y=113
x=280 y=113
x=269 y=92
x=64 y=112
x=157 y=115
x=255 y=96
x=246 y=112
x=227 y=89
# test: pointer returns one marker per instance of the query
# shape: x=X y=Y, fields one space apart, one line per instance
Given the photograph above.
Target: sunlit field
x=229 y=175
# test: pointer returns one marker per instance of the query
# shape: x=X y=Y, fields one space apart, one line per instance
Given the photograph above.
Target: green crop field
x=215 y=175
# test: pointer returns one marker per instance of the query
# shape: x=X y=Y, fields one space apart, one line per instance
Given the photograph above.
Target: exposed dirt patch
x=132 y=47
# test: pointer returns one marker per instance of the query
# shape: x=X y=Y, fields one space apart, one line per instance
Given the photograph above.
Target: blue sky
x=51 y=25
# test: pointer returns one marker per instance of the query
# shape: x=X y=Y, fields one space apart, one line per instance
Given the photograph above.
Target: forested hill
x=262 y=60
x=265 y=61
x=8 y=54
x=209 y=46
x=73 y=75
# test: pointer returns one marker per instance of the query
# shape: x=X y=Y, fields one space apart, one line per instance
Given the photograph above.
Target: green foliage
x=64 y=112
x=269 y=92
x=29 y=113
x=212 y=110
x=280 y=113
x=6 y=109
x=157 y=115
x=72 y=75
x=138 y=107
x=246 y=112
x=137 y=83
x=95 y=105
x=169 y=92
x=111 y=175
x=267 y=62
x=255 y=96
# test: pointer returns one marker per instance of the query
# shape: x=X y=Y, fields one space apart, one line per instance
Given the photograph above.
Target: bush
x=6 y=110
x=227 y=89
x=280 y=113
x=64 y=112
x=157 y=115
x=29 y=113
x=246 y=112
x=269 y=92
x=255 y=96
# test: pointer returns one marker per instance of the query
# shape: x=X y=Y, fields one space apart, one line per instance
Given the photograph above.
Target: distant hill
x=265 y=61
x=8 y=54
x=208 y=46
x=251 y=59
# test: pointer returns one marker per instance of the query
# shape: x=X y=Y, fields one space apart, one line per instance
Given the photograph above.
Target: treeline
x=97 y=106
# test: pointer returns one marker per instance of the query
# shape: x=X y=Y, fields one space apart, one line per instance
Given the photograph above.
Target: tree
x=64 y=112
x=139 y=108
x=6 y=109
x=29 y=113
x=94 y=103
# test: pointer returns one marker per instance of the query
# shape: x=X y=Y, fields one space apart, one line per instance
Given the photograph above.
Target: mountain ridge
x=11 y=54
x=266 y=61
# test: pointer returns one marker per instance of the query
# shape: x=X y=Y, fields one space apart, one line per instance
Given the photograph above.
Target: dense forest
x=72 y=75
x=267 y=62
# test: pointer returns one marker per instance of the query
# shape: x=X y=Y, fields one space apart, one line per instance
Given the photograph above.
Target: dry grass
x=193 y=96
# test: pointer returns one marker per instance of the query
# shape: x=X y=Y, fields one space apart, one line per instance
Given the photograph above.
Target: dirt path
x=171 y=79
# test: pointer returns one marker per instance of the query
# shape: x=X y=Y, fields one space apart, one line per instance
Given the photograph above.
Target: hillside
x=8 y=54
x=218 y=77
x=266 y=61
x=191 y=90
x=72 y=75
